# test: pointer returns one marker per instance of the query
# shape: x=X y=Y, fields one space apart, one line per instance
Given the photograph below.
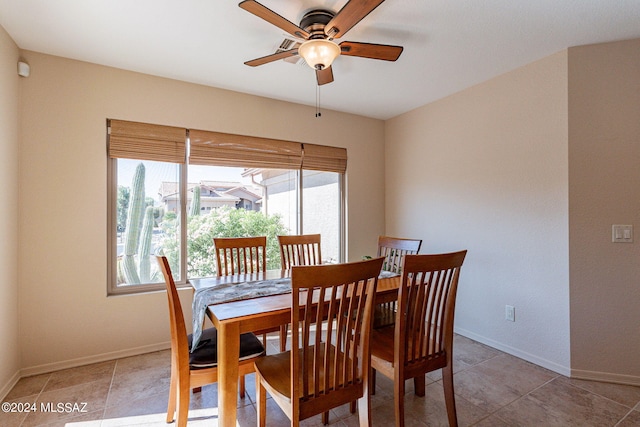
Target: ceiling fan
x=317 y=30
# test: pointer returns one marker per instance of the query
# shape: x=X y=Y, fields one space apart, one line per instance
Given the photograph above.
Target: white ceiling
x=449 y=45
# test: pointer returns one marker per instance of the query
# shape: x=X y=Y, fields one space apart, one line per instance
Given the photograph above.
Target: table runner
x=204 y=297
x=386 y=274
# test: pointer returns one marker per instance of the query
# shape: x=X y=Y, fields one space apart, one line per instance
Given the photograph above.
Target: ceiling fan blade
x=350 y=14
x=272 y=57
x=324 y=76
x=270 y=16
x=369 y=50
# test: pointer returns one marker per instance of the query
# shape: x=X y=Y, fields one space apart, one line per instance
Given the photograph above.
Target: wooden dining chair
x=302 y=249
x=394 y=250
x=329 y=363
x=194 y=369
x=236 y=255
x=299 y=250
x=421 y=340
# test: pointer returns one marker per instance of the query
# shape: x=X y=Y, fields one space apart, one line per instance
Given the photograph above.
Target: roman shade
x=225 y=149
x=324 y=158
x=143 y=141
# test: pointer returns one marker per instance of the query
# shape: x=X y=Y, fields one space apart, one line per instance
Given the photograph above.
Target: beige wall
x=63 y=196
x=529 y=171
x=604 y=178
x=9 y=99
x=486 y=170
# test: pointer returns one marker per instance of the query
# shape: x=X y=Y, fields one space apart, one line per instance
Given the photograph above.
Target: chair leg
x=449 y=397
x=242 y=387
x=173 y=396
x=419 y=385
x=364 y=410
x=261 y=407
x=325 y=418
x=183 y=404
x=373 y=381
x=398 y=395
x=284 y=329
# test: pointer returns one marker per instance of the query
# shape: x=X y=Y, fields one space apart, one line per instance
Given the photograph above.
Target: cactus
x=144 y=263
x=195 y=202
x=134 y=221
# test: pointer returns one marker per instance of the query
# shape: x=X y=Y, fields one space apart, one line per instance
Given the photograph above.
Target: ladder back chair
x=238 y=255
x=299 y=250
x=421 y=340
x=329 y=364
x=194 y=369
x=394 y=250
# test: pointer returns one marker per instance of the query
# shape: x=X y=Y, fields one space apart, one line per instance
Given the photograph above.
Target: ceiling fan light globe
x=319 y=54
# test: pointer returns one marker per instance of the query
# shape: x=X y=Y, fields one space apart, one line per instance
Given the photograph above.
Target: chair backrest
x=235 y=255
x=394 y=249
x=299 y=250
x=179 y=342
x=426 y=307
x=333 y=338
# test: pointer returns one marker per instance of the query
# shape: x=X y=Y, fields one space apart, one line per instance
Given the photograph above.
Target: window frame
x=112 y=240
x=112 y=195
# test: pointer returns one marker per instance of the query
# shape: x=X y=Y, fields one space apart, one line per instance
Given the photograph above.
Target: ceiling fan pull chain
x=318 y=113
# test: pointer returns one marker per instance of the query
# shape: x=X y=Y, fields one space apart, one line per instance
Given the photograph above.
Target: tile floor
x=493 y=389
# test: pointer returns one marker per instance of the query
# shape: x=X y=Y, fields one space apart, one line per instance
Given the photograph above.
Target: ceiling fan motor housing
x=314 y=22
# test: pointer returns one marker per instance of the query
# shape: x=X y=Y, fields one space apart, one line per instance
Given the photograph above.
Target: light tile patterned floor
x=493 y=389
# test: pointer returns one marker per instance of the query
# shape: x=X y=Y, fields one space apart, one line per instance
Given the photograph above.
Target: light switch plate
x=622 y=233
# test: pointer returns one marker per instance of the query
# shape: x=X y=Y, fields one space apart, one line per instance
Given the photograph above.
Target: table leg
x=228 y=350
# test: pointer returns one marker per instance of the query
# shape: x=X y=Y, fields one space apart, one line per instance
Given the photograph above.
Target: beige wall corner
x=9 y=137
x=604 y=188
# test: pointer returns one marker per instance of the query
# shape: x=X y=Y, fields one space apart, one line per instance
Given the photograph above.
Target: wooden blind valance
x=143 y=141
x=324 y=158
x=224 y=149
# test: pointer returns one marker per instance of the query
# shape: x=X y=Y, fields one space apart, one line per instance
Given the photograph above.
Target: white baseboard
x=605 y=377
x=552 y=366
x=562 y=370
x=81 y=361
x=9 y=385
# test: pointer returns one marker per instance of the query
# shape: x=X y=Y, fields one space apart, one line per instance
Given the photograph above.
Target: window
x=231 y=186
x=322 y=211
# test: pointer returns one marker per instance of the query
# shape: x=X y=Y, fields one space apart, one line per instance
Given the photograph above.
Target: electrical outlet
x=509 y=313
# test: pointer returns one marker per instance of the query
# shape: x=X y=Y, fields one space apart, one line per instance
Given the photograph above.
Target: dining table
x=247 y=314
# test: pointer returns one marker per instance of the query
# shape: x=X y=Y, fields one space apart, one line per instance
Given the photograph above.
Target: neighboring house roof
x=244 y=193
x=217 y=190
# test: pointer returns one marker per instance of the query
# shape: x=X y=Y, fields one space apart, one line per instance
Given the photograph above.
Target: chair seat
x=276 y=368
x=384 y=347
x=206 y=355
